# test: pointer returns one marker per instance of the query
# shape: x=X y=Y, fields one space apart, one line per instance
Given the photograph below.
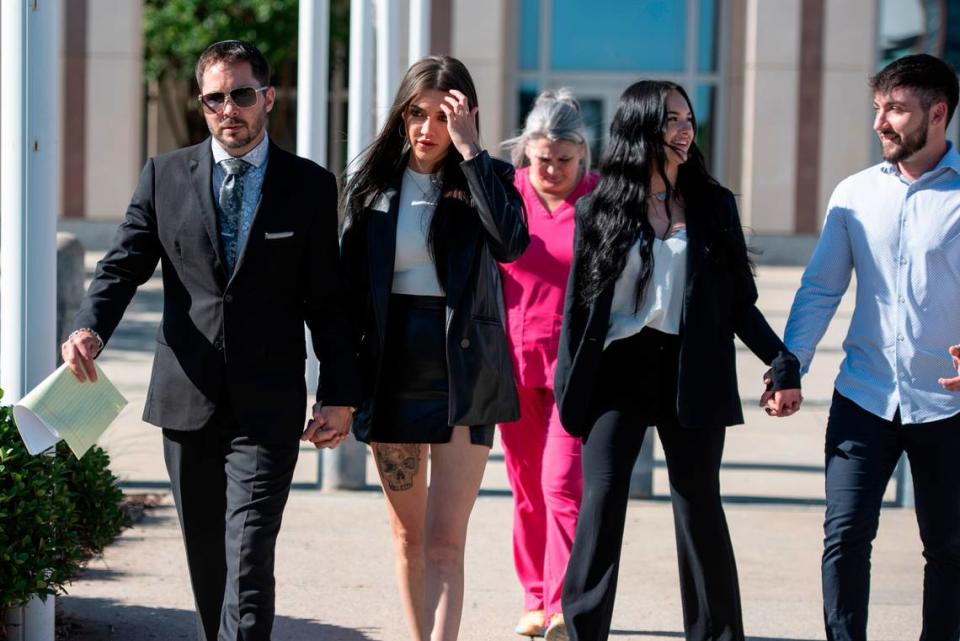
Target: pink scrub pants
x=543 y=467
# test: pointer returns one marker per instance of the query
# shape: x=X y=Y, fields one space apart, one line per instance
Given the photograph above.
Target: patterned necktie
x=231 y=208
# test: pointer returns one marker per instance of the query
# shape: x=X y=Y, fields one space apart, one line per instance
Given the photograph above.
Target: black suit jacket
x=238 y=335
x=480 y=375
x=719 y=301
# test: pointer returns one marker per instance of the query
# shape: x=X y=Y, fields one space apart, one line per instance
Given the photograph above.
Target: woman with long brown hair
x=428 y=216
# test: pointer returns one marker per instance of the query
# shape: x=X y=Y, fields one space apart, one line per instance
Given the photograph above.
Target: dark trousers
x=230 y=490
x=637 y=387
x=862 y=451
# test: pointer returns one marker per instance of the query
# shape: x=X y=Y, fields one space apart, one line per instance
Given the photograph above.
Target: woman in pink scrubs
x=542 y=460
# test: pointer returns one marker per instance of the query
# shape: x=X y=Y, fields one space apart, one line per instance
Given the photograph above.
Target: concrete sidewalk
x=335 y=563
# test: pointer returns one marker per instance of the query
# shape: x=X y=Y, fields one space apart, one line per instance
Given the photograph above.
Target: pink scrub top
x=534 y=285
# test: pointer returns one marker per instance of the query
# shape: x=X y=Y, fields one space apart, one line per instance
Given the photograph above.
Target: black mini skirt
x=413 y=397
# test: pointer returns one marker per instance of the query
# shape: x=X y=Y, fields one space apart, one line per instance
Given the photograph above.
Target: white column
x=419 y=30
x=313 y=62
x=313 y=57
x=345 y=467
x=29 y=193
x=387 y=52
x=29 y=204
x=360 y=83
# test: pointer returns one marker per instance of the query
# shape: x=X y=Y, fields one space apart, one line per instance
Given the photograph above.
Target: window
x=598 y=49
x=618 y=36
x=919 y=26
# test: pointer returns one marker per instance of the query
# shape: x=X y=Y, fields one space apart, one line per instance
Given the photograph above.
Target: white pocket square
x=277 y=235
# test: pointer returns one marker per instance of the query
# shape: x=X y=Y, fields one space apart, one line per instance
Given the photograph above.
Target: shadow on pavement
x=730 y=499
x=746 y=499
x=679 y=635
x=298 y=485
x=103 y=620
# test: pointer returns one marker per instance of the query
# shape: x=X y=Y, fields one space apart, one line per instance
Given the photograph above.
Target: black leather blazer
x=482 y=388
x=719 y=301
x=240 y=333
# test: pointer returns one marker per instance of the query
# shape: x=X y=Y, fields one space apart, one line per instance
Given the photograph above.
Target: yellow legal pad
x=61 y=407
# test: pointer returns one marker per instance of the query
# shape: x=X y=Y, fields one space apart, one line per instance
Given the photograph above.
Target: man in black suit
x=246 y=235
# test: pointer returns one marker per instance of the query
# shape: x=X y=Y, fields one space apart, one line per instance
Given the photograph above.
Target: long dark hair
x=382 y=162
x=617 y=214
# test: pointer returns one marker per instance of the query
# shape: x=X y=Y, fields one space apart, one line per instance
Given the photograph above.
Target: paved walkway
x=335 y=569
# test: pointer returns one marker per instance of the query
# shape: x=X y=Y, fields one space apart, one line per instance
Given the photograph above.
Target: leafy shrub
x=54 y=512
x=96 y=498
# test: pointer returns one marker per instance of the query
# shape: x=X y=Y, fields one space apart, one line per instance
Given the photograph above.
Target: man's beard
x=909 y=145
x=253 y=130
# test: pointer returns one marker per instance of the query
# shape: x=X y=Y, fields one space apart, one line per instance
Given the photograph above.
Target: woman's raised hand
x=461 y=123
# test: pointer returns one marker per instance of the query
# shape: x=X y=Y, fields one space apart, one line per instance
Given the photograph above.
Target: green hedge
x=54 y=513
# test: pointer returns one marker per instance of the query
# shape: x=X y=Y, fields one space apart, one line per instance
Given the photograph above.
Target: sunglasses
x=243 y=98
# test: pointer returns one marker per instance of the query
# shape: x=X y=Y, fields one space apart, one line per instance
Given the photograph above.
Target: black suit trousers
x=637 y=387
x=862 y=450
x=230 y=489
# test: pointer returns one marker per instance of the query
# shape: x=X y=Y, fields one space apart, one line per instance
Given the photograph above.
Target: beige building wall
x=770 y=112
x=736 y=25
x=479 y=33
x=114 y=106
x=849 y=57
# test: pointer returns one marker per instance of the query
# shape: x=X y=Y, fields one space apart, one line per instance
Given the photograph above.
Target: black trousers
x=862 y=451
x=637 y=387
x=230 y=490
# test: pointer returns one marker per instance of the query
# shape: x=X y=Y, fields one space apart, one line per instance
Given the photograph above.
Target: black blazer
x=482 y=389
x=719 y=301
x=241 y=335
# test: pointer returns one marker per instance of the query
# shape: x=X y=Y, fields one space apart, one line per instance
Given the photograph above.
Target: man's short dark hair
x=231 y=52
x=929 y=77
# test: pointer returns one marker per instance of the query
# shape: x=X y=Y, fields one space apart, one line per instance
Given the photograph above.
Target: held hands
x=78 y=352
x=461 y=123
x=781 y=403
x=329 y=427
x=953 y=384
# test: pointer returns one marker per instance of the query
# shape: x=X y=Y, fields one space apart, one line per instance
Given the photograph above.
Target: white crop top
x=413 y=270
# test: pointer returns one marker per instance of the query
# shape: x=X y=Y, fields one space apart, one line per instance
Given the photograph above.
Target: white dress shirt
x=902 y=239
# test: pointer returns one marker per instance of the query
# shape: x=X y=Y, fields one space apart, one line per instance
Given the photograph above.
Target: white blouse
x=662 y=304
x=413 y=270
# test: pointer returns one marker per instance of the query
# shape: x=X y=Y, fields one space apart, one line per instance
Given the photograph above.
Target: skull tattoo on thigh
x=398 y=464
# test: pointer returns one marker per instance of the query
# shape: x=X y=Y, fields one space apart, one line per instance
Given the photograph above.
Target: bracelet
x=319 y=404
x=91 y=331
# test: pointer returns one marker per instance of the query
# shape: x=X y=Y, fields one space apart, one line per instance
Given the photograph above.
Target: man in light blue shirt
x=897 y=225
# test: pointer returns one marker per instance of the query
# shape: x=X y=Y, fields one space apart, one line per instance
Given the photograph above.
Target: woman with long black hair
x=660 y=283
x=429 y=214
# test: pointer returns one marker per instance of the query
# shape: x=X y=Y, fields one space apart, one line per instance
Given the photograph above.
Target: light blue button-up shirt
x=252 y=183
x=902 y=239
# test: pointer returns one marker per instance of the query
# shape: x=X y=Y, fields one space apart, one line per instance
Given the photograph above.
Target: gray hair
x=555 y=116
